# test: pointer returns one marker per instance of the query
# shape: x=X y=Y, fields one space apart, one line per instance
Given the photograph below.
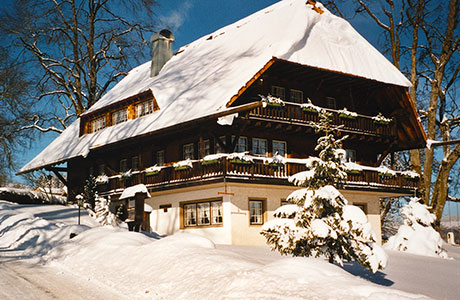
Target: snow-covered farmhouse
x=215 y=129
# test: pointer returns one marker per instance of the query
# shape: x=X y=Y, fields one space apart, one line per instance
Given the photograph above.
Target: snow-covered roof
x=202 y=77
x=131 y=191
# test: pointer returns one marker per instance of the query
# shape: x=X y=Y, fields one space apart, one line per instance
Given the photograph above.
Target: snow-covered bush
x=416 y=235
x=319 y=222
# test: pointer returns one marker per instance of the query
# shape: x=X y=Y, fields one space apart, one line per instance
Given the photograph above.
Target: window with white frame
x=218 y=147
x=331 y=103
x=135 y=163
x=259 y=146
x=242 y=144
x=120 y=116
x=190 y=215
x=123 y=165
x=160 y=157
x=188 y=151
x=144 y=108
x=278 y=91
x=279 y=147
x=98 y=124
x=203 y=213
x=296 y=96
x=256 y=212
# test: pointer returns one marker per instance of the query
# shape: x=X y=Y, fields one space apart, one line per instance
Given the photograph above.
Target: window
x=256 y=212
x=242 y=144
x=363 y=206
x=160 y=158
x=203 y=213
x=206 y=148
x=279 y=147
x=296 y=96
x=331 y=103
x=259 y=146
x=120 y=116
x=144 y=108
x=190 y=214
x=123 y=165
x=350 y=155
x=188 y=151
x=135 y=163
x=98 y=124
x=218 y=148
x=278 y=91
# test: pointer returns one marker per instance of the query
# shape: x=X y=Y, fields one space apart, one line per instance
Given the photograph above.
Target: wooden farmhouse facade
x=214 y=153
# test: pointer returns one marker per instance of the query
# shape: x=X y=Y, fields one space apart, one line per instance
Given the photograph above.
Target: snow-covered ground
x=39 y=261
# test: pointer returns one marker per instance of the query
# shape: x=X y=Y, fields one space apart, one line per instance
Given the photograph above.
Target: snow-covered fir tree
x=319 y=222
x=90 y=192
x=103 y=214
x=416 y=235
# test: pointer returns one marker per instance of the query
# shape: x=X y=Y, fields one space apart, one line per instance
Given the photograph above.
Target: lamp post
x=80 y=203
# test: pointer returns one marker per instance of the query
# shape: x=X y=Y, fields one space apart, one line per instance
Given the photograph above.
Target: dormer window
x=278 y=92
x=98 y=124
x=120 y=116
x=144 y=108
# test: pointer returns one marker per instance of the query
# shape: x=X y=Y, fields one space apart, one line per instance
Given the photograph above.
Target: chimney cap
x=164 y=34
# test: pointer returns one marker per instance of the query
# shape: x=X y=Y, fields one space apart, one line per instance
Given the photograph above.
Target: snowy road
x=23 y=279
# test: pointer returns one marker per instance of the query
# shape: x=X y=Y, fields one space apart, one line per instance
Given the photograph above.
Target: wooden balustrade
x=293 y=113
x=257 y=170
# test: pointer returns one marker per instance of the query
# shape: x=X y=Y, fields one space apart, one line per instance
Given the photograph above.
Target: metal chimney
x=161 y=50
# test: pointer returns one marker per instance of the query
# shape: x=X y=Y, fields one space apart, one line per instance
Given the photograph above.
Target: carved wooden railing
x=293 y=113
x=249 y=172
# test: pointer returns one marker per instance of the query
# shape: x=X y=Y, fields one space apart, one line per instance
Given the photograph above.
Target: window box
x=210 y=162
x=381 y=120
x=349 y=115
x=310 y=107
x=240 y=161
x=354 y=172
x=386 y=175
x=102 y=179
x=180 y=168
x=152 y=171
x=126 y=175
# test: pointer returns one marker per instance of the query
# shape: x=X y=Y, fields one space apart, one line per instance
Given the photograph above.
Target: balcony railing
x=293 y=113
x=256 y=172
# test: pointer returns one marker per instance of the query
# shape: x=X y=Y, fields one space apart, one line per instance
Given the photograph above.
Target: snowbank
x=183 y=266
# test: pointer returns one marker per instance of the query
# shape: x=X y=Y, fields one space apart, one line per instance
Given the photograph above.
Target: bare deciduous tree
x=77 y=48
x=422 y=39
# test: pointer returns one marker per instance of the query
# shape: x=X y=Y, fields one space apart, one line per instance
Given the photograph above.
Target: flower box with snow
x=271 y=101
x=277 y=161
x=183 y=165
x=349 y=115
x=210 y=162
x=386 y=175
x=381 y=120
x=354 y=172
x=310 y=108
x=240 y=161
x=102 y=179
x=126 y=175
x=410 y=175
x=152 y=171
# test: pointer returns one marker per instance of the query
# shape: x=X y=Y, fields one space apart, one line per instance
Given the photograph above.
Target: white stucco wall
x=236 y=228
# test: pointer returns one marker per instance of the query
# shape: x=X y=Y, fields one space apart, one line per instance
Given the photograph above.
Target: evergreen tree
x=319 y=222
x=90 y=192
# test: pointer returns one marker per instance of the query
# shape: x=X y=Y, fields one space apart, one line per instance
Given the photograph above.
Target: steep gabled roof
x=202 y=77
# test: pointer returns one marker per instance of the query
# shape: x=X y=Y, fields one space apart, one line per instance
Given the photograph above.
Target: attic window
x=144 y=108
x=120 y=116
x=98 y=124
x=278 y=92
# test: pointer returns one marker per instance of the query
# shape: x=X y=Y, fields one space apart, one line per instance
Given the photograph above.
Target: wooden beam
x=58 y=175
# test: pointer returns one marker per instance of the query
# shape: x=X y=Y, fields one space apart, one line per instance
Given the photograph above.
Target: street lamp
x=80 y=203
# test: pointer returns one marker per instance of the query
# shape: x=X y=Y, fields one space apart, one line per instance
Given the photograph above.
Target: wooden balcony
x=256 y=172
x=293 y=114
